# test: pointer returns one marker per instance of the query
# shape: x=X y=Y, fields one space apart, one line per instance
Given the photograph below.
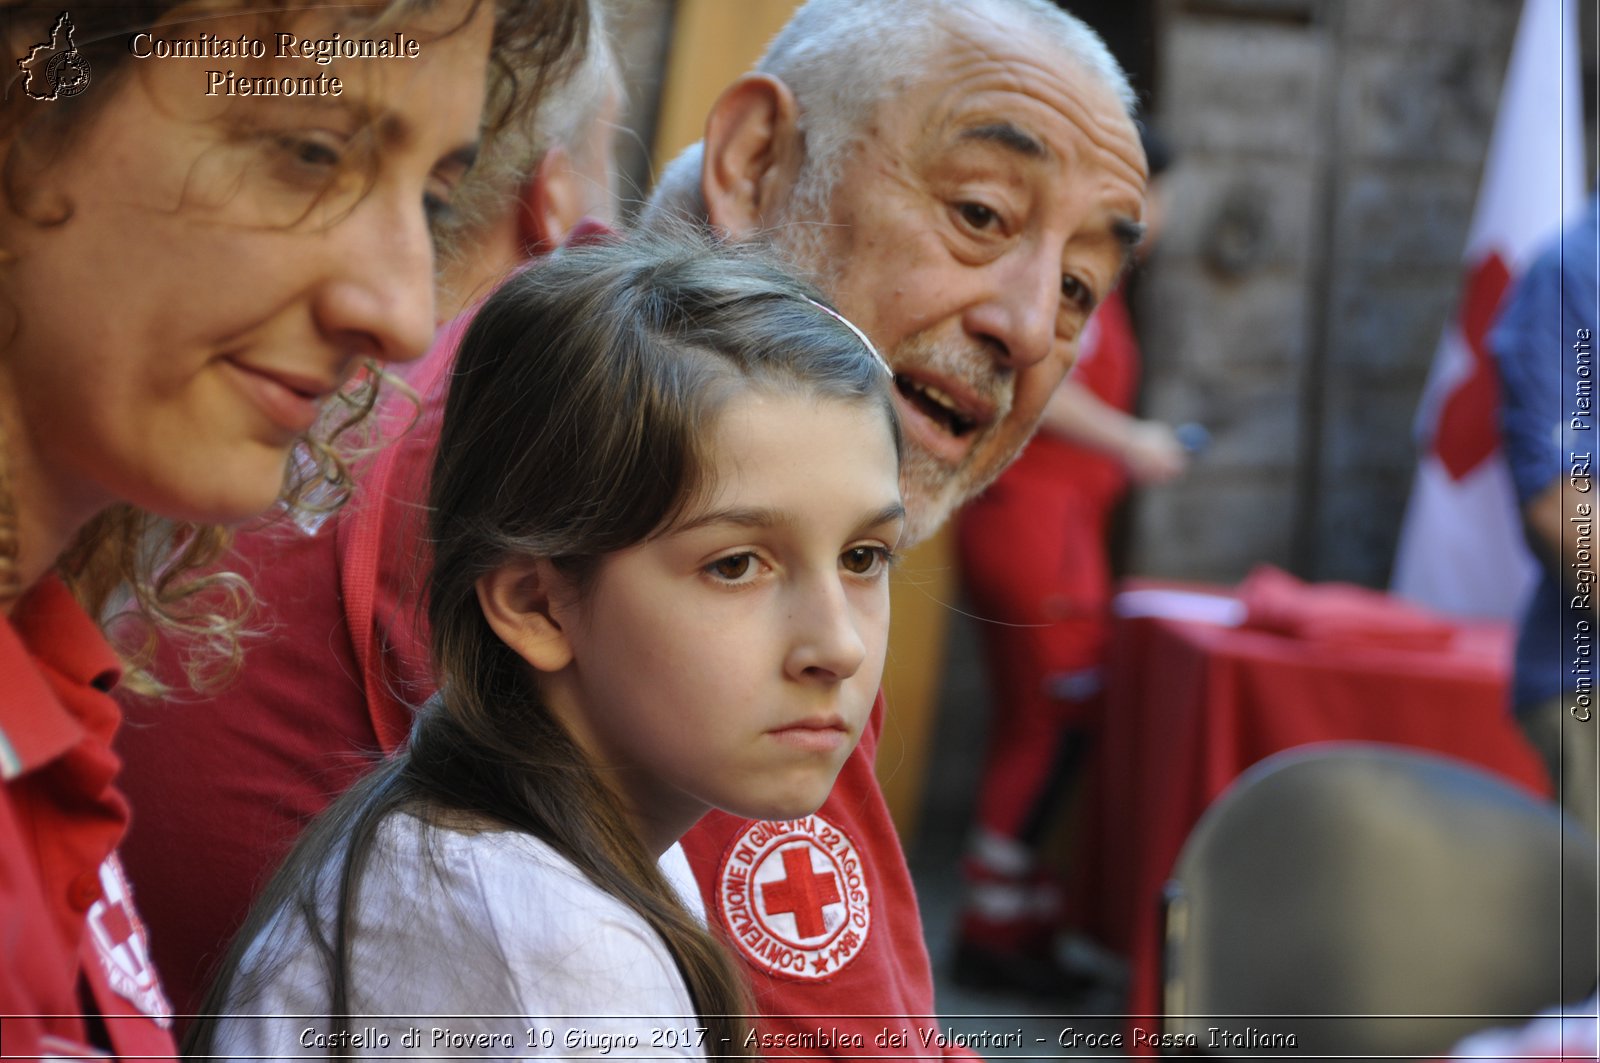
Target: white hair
x=564 y=118
x=842 y=58
x=569 y=112
x=677 y=197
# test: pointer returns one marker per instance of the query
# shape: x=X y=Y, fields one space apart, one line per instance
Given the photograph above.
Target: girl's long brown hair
x=579 y=402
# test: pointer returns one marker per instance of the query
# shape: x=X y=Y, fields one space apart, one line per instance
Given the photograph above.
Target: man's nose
x=1018 y=312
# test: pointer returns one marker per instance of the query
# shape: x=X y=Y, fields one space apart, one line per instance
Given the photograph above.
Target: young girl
x=663 y=507
x=187 y=277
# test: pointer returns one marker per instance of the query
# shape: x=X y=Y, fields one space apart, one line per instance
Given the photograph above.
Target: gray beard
x=932 y=489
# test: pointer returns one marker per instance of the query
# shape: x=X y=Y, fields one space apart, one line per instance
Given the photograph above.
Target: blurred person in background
x=1035 y=562
x=538 y=183
x=1544 y=350
x=1560 y=1034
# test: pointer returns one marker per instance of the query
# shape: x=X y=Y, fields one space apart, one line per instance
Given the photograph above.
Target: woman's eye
x=311 y=150
x=733 y=568
x=864 y=560
x=440 y=211
x=977 y=215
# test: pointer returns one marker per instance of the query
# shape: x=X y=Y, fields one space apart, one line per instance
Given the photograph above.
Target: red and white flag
x=1461 y=547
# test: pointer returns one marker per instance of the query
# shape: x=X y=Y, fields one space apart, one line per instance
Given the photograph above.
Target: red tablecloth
x=1190 y=705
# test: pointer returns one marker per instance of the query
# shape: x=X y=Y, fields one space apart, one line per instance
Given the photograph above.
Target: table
x=1191 y=704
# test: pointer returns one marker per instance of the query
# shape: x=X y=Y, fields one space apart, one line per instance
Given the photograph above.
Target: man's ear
x=519 y=601
x=550 y=204
x=752 y=155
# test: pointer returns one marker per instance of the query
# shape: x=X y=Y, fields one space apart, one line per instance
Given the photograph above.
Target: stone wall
x=1330 y=155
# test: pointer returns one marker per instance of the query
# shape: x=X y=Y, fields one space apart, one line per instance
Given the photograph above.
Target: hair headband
x=851 y=325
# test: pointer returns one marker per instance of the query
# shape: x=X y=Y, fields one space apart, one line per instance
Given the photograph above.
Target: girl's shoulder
x=501 y=859
x=571 y=947
x=487 y=859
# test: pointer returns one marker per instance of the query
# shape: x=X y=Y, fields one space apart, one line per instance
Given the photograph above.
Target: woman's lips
x=289 y=401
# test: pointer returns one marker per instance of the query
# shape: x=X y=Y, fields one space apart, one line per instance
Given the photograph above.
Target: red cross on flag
x=1461 y=548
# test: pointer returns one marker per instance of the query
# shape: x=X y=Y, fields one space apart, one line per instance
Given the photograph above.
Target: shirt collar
x=48 y=643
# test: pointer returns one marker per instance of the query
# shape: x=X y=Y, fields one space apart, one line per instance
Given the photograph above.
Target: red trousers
x=1034 y=563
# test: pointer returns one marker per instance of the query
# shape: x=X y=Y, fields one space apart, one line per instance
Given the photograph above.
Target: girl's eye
x=735 y=568
x=864 y=560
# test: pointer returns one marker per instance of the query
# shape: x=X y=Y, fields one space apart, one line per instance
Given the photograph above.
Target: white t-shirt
x=1572 y=1032
x=483 y=944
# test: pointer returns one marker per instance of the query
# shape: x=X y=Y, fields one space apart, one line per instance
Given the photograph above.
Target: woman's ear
x=518 y=601
x=752 y=155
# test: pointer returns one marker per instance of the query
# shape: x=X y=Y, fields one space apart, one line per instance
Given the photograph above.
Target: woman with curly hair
x=216 y=226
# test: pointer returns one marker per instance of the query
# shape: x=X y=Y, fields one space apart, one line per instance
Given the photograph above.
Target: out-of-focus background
x=1329 y=162
x=1330 y=156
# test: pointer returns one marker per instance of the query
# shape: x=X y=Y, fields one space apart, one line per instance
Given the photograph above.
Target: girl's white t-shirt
x=486 y=944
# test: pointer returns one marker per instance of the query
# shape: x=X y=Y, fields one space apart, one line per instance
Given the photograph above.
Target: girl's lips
x=825 y=735
x=290 y=402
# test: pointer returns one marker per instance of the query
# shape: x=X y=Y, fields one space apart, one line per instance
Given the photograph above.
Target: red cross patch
x=792 y=896
x=123 y=947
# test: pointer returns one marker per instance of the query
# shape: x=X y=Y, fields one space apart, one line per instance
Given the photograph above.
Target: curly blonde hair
x=146 y=576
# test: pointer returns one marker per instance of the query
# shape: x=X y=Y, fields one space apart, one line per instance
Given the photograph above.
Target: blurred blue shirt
x=1533 y=342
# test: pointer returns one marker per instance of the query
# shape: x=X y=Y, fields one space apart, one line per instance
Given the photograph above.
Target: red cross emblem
x=794 y=898
x=116 y=924
x=802 y=893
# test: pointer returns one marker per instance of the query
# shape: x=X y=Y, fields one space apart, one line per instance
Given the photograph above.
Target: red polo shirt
x=71 y=944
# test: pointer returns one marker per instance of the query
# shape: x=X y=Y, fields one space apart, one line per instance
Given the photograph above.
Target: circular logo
x=67 y=74
x=793 y=897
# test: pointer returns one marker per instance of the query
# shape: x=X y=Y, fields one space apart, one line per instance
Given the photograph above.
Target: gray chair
x=1405 y=898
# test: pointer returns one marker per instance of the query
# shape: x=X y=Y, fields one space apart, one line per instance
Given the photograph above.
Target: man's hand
x=1149 y=449
x=1554 y=537
x=1153 y=454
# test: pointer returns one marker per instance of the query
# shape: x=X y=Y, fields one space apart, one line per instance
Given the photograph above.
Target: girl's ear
x=517 y=601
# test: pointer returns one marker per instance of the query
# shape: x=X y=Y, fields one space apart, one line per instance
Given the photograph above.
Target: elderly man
x=964 y=180
x=963 y=177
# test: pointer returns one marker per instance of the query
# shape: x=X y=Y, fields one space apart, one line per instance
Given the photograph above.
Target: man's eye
x=864 y=560
x=733 y=568
x=1077 y=292
x=977 y=215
